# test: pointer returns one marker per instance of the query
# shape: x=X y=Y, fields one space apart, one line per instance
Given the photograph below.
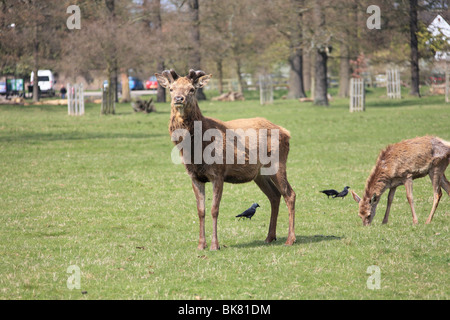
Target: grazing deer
x=401 y=163
x=186 y=115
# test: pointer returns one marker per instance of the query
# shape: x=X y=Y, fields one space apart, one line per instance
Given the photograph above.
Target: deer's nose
x=178 y=99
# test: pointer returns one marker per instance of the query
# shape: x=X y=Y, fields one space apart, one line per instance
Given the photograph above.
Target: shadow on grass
x=404 y=102
x=33 y=137
x=282 y=240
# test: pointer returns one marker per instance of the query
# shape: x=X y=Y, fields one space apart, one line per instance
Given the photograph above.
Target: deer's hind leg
x=274 y=196
x=285 y=189
x=445 y=184
x=436 y=178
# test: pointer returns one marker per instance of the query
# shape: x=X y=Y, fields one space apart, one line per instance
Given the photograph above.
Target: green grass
x=101 y=193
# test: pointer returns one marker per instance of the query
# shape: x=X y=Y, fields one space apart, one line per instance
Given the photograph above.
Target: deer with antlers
x=213 y=156
x=401 y=163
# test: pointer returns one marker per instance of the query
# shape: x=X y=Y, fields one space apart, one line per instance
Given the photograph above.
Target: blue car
x=135 y=83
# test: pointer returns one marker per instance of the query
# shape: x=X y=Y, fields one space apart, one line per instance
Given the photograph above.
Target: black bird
x=343 y=193
x=330 y=192
x=249 y=212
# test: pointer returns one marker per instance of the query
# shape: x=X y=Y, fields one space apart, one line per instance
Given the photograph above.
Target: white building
x=439 y=26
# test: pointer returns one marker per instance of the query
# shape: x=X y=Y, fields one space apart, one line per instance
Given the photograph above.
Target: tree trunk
x=312 y=71
x=306 y=72
x=36 y=64
x=220 y=75
x=241 y=84
x=320 y=94
x=160 y=91
x=320 y=86
x=344 y=71
x=413 y=28
x=296 y=89
x=194 y=55
x=126 y=95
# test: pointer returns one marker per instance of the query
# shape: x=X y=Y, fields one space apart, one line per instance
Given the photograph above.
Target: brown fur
x=184 y=111
x=401 y=163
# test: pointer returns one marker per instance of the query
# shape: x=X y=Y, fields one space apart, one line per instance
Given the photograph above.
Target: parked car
x=135 y=83
x=151 y=83
x=46 y=81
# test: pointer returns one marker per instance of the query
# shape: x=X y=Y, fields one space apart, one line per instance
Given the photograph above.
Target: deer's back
x=414 y=157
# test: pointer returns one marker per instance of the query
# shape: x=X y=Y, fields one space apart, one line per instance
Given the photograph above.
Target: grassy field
x=101 y=193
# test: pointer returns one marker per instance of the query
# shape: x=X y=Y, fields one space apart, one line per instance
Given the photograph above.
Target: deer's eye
x=191 y=90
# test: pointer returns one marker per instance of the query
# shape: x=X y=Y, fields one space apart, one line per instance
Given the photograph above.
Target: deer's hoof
x=269 y=239
x=214 y=248
x=290 y=241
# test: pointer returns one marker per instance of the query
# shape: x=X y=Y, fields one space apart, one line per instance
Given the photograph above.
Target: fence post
x=357 y=95
x=69 y=99
x=265 y=89
x=75 y=99
x=447 y=83
x=393 y=84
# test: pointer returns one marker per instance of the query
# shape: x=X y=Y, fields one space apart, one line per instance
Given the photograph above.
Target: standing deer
x=186 y=115
x=401 y=163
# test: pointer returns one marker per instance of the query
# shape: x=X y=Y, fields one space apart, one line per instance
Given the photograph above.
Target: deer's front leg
x=389 y=202
x=217 y=196
x=199 y=190
x=409 y=196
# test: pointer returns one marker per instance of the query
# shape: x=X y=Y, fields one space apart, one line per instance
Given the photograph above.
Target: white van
x=46 y=81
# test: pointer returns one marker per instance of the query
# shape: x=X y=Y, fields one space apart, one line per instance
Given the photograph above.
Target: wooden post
x=265 y=89
x=447 y=83
x=357 y=95
x=393 y=84
x=75 y=99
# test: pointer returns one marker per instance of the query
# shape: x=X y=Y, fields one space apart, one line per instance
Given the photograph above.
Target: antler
x=171 y=75
x=194 y=75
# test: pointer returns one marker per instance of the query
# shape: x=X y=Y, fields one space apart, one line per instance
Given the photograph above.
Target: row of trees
x=226 y=37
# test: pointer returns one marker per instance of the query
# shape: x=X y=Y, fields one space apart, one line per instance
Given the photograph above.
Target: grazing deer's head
x=367 y=207
x=183 y=89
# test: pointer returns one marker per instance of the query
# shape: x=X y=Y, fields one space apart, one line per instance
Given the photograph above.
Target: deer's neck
x=377 y=182
x=186 y=121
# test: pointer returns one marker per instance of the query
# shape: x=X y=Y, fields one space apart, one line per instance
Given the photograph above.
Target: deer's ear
x=355 y=196
x=162 y=80
x=202 y=81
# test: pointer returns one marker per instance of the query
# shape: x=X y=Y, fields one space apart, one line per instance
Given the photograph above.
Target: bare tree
x=347 y=39
x=160 y=64
x=194 y=33
x=104 y=42
x=32 y=33
x=321 y=44
x=413 y=29
x=295 y=37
